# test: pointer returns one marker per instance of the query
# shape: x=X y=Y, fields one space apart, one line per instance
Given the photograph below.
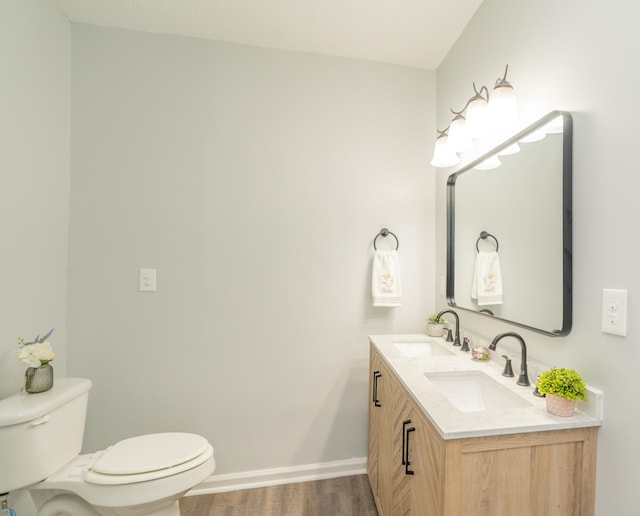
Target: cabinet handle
x=376 y=375
x=408 y=471
x=404 y=442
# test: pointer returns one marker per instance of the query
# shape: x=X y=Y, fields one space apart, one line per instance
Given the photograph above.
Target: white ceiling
x=407 y=32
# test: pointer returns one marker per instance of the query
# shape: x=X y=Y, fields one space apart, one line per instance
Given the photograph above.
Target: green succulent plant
x=562 y=382
x=433 y=318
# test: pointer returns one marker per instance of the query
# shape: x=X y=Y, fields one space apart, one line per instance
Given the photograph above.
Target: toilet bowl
x=143 y=475
x=127 y=478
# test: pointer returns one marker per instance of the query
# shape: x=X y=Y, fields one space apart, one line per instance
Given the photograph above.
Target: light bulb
x=458 y=137
x=477 y=117
x=443 y=155
x=503 y=109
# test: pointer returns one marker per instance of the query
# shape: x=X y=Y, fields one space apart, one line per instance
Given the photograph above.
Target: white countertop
x=454 y=424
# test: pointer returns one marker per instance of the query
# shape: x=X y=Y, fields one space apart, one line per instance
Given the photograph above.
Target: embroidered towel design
x=385 y=280
x=486 y=285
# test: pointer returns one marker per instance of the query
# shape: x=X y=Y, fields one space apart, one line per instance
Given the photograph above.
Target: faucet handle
x=449 y=336
x=536 y=392
x=465 y=344
x=508 y=370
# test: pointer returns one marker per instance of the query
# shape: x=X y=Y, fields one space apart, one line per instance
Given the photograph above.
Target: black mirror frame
x=567 y=222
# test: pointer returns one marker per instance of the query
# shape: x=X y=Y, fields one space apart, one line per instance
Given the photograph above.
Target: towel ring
x=383 y=233
x=483 y=236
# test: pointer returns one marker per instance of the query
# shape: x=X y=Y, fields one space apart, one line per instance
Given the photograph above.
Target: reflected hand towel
x=486 y=285
x=385 y=280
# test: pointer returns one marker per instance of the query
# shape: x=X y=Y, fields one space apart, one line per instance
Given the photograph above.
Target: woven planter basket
x=434 y=329
x=559 y=406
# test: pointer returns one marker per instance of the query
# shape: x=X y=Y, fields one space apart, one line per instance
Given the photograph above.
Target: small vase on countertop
x=435 y=329
x=559 y=406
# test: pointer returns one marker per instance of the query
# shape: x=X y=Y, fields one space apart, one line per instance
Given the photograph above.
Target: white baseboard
x=277 y=476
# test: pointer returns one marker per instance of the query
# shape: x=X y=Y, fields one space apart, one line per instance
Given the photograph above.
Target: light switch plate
x=614 y=312
x=147 y=280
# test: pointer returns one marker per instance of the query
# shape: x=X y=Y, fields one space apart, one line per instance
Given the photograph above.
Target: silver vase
x=39 y=379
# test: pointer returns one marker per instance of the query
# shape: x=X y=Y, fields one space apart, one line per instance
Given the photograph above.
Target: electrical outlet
x=614 y=312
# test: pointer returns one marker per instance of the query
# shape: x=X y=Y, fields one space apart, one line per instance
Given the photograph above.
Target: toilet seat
x=148 y=457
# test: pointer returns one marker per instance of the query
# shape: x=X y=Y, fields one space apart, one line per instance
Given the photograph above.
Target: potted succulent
x=435 y=325
x=561 y=387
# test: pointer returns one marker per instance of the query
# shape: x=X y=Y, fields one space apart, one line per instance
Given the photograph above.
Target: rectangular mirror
x=519 y=212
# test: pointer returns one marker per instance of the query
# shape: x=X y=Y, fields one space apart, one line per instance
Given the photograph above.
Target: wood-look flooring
x=344 y=496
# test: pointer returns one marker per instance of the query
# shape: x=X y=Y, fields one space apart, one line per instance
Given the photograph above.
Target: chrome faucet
x=523 y=379
x=456 y=341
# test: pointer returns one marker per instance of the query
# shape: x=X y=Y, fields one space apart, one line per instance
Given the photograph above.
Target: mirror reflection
x=509 y=230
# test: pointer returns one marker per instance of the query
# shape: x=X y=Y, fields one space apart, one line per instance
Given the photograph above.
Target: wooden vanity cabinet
x=549 y=473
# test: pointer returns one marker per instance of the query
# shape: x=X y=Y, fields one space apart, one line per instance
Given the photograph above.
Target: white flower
x=35 y=355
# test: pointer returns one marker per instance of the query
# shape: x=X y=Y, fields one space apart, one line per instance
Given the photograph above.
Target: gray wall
x=577 y=56
x=35 y=45
x=35 y=50
x=256 y=337
x=254 y=181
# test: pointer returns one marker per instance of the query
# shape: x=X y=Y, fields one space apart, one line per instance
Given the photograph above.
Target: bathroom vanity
x=449 y=436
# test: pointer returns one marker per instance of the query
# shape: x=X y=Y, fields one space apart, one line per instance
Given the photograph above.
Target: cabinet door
x=548 y=473
x=403 y=425
x=374 y=423
x=380 y=431
x=426 y=455
x=417 y=461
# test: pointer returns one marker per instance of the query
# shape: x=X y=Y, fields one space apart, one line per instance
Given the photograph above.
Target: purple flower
x=46 y=336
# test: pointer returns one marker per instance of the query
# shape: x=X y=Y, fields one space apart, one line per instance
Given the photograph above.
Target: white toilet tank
x=40 y=433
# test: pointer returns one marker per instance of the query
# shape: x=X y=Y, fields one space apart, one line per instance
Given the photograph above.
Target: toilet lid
x=148 y=453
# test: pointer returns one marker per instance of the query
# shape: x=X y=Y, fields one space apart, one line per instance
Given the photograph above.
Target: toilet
x=40 y=441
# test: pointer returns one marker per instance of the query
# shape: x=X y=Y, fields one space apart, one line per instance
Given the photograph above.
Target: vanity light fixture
x=483 y=122
x=443 y=154
x=503 y=107
x=459 y=138
x=477 y=113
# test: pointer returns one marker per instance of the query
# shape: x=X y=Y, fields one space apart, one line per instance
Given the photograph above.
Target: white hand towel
x=385 y=281
x=486 y=285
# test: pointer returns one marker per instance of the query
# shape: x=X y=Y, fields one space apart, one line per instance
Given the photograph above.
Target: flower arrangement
x=37 y=352
x=562 y=382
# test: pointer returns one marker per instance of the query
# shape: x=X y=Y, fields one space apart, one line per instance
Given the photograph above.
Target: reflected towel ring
x=385 y=232
x=483 y=236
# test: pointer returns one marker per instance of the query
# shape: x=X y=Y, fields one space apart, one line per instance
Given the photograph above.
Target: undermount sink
x=474 y=391
x=421 y=349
